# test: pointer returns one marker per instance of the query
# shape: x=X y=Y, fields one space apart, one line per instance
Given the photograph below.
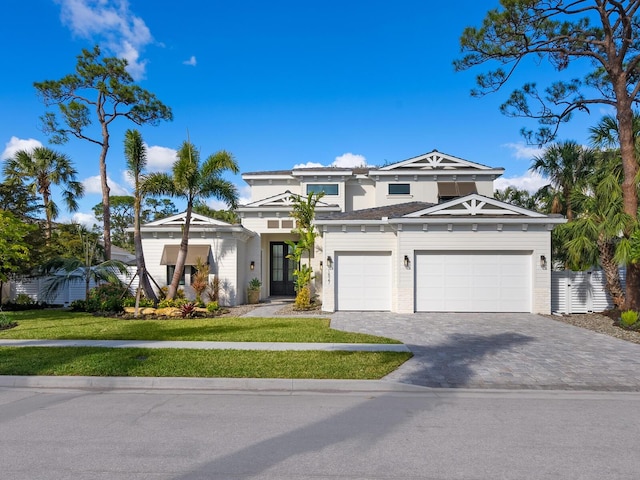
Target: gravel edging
x=600 y=323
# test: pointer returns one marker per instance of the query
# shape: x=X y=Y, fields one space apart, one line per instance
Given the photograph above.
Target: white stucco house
x=423 y=234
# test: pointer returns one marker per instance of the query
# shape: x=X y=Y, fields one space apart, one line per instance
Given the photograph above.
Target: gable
x=284 y=200
x=474 y=205
x=435 y=161
x=179 y=219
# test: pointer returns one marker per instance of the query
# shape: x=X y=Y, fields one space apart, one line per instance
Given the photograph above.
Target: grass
x=65 y=325
x=138 y=362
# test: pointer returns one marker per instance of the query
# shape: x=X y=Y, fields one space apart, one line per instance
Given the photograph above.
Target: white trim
x=474 y=205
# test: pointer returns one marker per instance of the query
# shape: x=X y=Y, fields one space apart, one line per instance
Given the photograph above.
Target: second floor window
x=399 y=189
x=327 y=188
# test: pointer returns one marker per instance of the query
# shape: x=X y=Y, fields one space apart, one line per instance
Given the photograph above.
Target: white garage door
x=363 y=281
x=473 y=282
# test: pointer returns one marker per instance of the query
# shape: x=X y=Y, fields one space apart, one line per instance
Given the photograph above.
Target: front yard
x=96 y=361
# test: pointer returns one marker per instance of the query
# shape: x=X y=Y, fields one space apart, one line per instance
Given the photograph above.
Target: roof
x=377 y=213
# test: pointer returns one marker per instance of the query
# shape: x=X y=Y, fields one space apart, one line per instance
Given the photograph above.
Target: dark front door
x=281 y=281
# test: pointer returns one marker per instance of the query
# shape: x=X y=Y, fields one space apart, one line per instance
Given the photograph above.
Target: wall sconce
x=252 y=265
x=329 y=262
x=406 y=261
x=543 y=262
x=320 y=265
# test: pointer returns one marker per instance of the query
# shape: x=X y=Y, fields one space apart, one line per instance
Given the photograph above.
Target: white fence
x=74 y=290
x=580 y=292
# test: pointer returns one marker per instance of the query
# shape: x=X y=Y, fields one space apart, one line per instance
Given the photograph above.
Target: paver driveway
x=501 y=350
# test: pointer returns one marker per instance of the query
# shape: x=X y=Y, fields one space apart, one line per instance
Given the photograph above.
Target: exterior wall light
x=406 y=261
x=329 y=262
x=543 y=262
x=320 y=265
x=252 y=265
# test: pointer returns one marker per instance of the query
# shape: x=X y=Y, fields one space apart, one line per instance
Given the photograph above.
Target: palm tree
x=594 y=237
x=136 y=154
x=69 y=270
x=41 y=168
x=566 y=164
x=192 y=182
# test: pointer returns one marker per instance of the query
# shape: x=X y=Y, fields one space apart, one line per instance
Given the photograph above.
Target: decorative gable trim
x=180 y=218
x=282 y=201
x=475 y=205
x=435 y=161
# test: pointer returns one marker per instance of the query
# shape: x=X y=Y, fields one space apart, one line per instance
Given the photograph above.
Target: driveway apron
x=501 y=350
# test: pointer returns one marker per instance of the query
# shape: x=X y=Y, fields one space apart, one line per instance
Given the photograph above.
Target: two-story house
x=423 y=234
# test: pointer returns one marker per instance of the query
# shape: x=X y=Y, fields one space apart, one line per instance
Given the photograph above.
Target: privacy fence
x=580 y=292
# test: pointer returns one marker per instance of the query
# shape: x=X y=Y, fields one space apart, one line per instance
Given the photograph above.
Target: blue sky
x=278 y=84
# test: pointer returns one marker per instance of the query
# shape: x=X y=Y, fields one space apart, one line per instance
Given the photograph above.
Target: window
x=273 y=224
x=170 y=270
x=399 y=189
x=327 y=188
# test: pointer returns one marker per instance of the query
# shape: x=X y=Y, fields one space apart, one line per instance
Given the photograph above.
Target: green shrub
x=303 y=299
x=177 y=302
x=78 y=306
x=213 y=307
x=24 y=299
x=629 y=318
x=131 y=302
x=108 y=297
x=5 y=321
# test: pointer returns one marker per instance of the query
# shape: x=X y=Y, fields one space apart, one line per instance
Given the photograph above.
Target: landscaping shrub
x=629 y=318
x=108 y=297
x=212 y=307
x=188 y=310
x=6 y=322
x=179 y=293
x=24 y=299
x=131 y=302
x=78 y=306
x=176 y=302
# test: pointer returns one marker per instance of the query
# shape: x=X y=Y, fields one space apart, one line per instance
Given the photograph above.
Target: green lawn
x=61 y=324
x=95 y=361
x=140 y=362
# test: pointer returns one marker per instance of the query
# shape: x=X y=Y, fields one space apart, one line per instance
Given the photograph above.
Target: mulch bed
x=606 y=323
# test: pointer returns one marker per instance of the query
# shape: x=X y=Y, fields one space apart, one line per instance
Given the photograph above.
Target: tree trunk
x=106 y=215
x=182 y=254
x=629 y=189
x=143 y=278
x=611 y=272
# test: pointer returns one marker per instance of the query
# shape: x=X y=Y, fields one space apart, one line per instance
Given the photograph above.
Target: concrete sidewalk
x=272 y=346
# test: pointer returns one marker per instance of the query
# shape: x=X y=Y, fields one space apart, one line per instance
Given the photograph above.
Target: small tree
x=200 y=279
x=303 y=212
x=102 y=86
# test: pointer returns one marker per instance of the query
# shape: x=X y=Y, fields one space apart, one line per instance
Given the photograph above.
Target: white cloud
x=308 y=165
x=113 y=24
x=349 y=160
x=522 y=151
x=93 y=185
x=160 y=159
x=346 y=160
x=86 y=219
x=530 y=181
x=191 y=62
x=16 y=144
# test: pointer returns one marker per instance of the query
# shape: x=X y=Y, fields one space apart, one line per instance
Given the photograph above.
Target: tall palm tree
x=136 y=154
x=41 y=168
x=565 y=164
x=192 y=181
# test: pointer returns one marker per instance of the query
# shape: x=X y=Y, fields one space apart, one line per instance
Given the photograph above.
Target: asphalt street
x=440 y=434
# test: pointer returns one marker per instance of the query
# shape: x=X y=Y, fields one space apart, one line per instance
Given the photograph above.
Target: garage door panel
x=363 y=281
x=473 y=281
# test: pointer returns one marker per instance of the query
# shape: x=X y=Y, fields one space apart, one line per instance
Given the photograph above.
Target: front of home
x=423 y=234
